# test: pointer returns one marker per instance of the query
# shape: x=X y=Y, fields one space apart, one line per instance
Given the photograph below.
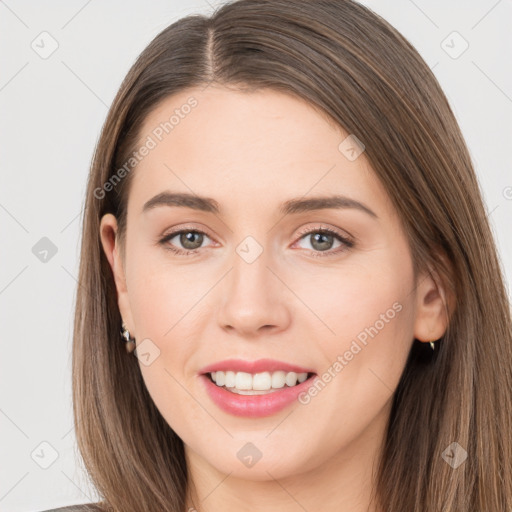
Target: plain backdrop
x=51 y=110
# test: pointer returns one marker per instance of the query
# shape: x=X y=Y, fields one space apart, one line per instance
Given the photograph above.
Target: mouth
x=256 y=395
x=263 y=383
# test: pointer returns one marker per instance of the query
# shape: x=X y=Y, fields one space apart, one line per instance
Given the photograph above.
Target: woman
x=283 y=218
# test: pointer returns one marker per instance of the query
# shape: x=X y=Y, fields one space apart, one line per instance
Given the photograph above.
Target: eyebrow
x=299 y=205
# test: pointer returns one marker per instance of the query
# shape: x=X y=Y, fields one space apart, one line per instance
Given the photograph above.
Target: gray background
x=51 y=112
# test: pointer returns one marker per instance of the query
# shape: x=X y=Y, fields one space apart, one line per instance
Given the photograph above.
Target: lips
x=258 y=366
x=255 y=406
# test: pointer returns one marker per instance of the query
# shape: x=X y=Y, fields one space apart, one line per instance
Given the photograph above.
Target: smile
x=259 y=383
x=251 y=403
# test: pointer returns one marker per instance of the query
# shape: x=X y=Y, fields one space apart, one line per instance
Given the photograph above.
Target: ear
x=432 y=308
x=110 y=243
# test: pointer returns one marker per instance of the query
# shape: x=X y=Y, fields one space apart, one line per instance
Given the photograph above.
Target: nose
x=253 y=300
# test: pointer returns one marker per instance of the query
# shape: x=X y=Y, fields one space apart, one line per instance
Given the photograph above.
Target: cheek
x=372 y=290
x=370 y=311
x=368 y=306
x=161 y=292
x=165 y=319
x=165 y=301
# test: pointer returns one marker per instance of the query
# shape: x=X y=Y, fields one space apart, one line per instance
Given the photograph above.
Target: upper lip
x=258 y=366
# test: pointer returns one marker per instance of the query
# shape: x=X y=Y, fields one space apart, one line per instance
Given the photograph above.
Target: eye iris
x=321 y=237
x=187 y=238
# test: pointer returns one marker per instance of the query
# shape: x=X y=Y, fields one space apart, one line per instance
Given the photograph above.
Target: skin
x=293 y=303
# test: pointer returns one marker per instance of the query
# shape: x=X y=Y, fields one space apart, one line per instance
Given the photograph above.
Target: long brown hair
x=363 y=75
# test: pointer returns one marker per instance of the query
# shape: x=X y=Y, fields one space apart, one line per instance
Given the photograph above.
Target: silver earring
x=129 y=341
x=432 y=346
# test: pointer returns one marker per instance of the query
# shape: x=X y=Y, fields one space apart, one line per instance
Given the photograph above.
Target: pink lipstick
x=266 y=402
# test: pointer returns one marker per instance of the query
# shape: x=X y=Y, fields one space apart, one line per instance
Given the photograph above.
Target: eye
x=189 y=239
x=322 y=239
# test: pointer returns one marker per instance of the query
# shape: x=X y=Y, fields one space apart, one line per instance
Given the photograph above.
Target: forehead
x=247 y=149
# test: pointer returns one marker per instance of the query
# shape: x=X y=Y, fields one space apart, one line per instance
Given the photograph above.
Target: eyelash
x=347 y=243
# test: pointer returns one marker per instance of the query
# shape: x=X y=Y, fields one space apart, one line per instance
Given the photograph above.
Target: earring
x=129 y=341
x=432 y=346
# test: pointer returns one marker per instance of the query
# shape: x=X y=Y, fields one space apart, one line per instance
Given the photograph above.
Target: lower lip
x=254 y=406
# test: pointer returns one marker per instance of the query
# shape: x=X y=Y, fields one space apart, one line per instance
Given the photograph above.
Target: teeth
x=265 y=381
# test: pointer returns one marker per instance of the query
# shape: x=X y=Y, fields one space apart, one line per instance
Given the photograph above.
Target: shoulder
x=87 y=507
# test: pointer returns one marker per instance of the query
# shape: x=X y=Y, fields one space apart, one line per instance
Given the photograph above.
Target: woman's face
x=264 y=282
